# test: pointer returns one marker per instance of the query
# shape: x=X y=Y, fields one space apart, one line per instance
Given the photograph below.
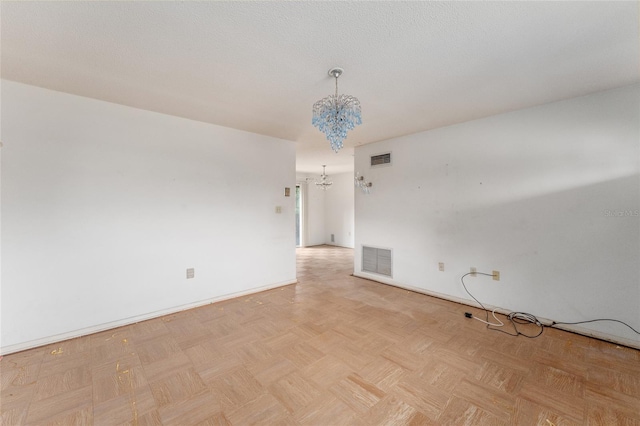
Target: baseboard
x=132 y=320
x=337 y=245
x=325 y=245
x=570 y=328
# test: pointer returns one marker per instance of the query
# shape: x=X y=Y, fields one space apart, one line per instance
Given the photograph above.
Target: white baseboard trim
x=338 y=245
x=5 y=350
x=570 y=328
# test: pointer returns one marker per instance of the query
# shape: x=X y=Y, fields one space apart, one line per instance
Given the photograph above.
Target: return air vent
x=381 y=159
x=376 y=260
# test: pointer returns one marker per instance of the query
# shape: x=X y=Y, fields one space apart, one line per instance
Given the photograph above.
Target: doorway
x=298 y=216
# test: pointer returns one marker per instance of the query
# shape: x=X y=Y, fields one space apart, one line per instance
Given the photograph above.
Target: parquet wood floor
x=331 y=350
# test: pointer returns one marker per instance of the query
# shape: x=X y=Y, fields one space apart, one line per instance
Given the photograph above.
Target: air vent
x=376 y=260
x=381 y=159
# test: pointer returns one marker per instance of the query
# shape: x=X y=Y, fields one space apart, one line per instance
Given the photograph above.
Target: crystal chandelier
x=336 y=115
x=323 y=183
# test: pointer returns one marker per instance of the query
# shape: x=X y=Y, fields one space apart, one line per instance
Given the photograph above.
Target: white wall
x=105 y=206
x=535 y=194
x=339 y=210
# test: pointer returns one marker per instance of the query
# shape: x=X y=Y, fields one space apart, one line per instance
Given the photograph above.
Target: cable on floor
x=554 y=323
x=522 y=318
x=514 y=318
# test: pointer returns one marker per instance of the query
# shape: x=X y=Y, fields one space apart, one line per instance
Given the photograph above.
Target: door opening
x=298 y=216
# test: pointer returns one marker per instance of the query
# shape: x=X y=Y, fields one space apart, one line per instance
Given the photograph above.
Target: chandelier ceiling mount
x=335 y=72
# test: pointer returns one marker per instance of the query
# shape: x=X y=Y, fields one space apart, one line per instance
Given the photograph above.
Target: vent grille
x=379 y=160
x=376 y=260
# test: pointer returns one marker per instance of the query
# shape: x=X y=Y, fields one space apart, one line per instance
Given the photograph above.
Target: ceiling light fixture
x=323 y=183
x=336 y=115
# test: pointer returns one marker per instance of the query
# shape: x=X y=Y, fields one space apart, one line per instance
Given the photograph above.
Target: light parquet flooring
x=330 y=350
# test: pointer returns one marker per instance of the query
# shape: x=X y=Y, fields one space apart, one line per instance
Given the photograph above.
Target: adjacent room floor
x=331 y=350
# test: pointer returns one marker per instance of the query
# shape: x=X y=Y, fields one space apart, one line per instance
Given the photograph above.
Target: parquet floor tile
x=357 y=393
x=202 y=408
x=294 y=391
x=383 y=373
x=265 y=409
x=59 y=405
x=326 y=409
x=331 y=350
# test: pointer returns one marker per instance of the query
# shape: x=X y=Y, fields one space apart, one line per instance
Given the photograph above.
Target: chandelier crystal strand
x=336 y=114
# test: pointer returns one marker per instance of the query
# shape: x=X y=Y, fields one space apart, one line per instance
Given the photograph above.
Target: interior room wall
x=104 y=207
x=549 y=196
x=339 y=211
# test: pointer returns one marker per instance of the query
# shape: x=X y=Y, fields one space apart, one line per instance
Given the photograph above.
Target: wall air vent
x=376 y=260
x=381 y=159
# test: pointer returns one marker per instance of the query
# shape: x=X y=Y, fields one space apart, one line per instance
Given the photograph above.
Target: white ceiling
x=259 y=66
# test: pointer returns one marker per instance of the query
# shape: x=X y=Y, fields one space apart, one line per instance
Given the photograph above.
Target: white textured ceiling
x=259 y=66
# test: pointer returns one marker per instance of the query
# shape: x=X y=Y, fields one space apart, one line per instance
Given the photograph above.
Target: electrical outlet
x=191 y=273
x=496 y=275
x=473 y=271
x=441 y=267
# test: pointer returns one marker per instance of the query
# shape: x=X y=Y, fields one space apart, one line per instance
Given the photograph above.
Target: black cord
x=525 y=318
x=514 y=318
x=554 y=323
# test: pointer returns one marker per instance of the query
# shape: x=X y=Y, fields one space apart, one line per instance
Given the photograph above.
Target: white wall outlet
x=473 y=271
x=191 y=273
x=278 y=209
x=496 y=275
x=441 y=266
